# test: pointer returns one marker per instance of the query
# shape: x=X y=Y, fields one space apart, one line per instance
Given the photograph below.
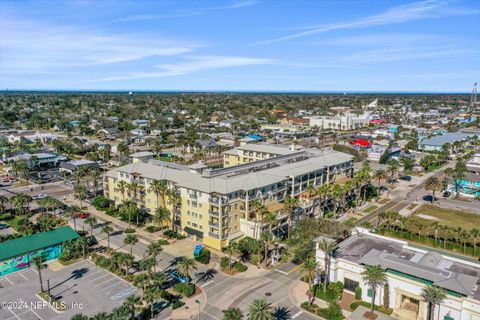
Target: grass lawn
x=370 y=209
x=450 y=217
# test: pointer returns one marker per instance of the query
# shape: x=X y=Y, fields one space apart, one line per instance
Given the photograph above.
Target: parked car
x=177 y=277
x=3 y=226
x=84 y=215
x=446 y=194
x=406 y=178
x=39 y=196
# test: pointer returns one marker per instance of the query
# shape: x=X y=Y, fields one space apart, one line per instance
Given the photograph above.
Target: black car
x=3 y=226
x=446 y=194
x=406 y=178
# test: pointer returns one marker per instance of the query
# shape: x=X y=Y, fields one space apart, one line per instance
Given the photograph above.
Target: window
x=350 y=285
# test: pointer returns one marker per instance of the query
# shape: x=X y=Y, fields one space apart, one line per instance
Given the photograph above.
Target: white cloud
x=191 y=65
x=27 y=46
x=243 y=4
x=399 y=14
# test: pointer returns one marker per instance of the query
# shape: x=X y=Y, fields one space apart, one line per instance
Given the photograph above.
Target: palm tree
x=161 y=216
x=475 y=233
x=73 y=212
x=130 y=240
x=94 y=175
x=129 y=207
x=392 y=168
x=160 y=189
x=291 y=204
x=3 y=203
x=91 y=221
x=80 y=193
x=434 y=296
x=260 y=309
x=186 y=265
x=266 y=237
x=152 y=295
x=230 y=249
x=374 y=276
x=327 y=247
x=134 y=187
x=130 y=303
x=175 y=200
x=108 y=230
x=309 y=271
x=433 y=185
x=122 y=187
x=232 y=313
x=153 y=250
x=39 y=262
x=259 y=209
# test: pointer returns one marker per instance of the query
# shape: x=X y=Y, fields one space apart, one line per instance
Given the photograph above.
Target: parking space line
x=6 y=278
x=21 y=274
x=123 y=293
x=95 y=279
x=106 y=281
x=14 y=314
x=113 y=285
x=206 y=284
x=33 y=312
x=297 y=314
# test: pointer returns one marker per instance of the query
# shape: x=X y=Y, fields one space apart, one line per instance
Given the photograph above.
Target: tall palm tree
x=324 y=192
x=129 y=207
x=94 y=175
x=91 y=221
x=232 y=313
x=475 y=233
x=259 y=209
x=80 y=193
x=230 y=249
x=393 y=169
x=186 y=265
x=374 y=276
x=108 y=230
x=266 y=237
x=160 y=189
x=153 y=250
x=260 y=309
x=39 y=263
x=309 y=271
x=130 y=303
x=327 y=247
x=434 y=296
x=3 y=203
x=122 y=187
x=134 y=187
x=433 y=185
x=291 y=203
x=152 y=295
x=130 y=240
x=175 y=200
x=73 y=212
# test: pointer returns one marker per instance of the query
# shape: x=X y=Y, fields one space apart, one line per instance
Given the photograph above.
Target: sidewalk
x=191 y=308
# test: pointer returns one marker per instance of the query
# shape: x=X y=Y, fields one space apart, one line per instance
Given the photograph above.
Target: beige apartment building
x=254 y=152
x=216 y=203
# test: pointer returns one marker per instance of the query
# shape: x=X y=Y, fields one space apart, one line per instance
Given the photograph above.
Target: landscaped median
x=57 y=305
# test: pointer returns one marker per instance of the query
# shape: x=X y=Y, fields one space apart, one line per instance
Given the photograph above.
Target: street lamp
x=197 y=302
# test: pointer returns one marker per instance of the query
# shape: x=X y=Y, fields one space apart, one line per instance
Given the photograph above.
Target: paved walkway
x=192 y=307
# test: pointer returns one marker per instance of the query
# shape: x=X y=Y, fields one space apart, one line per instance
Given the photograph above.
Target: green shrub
x=171 y=234
x=177 y=304
x=203 y=257
x=129 y=230
x=354 y=305
x=224 y=263
x=153 y=229
x=336 y=288
x=165 y=295
x=255 y=260
x=185 y=289
x=101 y=203
x=163 y=242
x=333 y=312
x=111 y=211
x=358 y=293
x=328 y=296
x=240 y=267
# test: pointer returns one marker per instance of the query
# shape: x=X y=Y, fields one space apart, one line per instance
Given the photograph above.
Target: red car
x=84 y=215
x=360 y=143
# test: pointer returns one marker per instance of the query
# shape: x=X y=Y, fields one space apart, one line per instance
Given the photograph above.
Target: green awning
x=16 y=247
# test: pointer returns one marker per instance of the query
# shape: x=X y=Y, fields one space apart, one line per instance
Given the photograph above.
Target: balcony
x=214 y=213
x=213 y=224
x=213 y=235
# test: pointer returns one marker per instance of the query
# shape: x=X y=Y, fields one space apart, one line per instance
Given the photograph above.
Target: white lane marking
x=123 y=293
x=206 y=284
x=21 y=274
x=33 y=312
x=5 y=277
x=34 y=270
x=297 y=314
x=113 y=285
x=106 y=281
x=280 y=271
x=95 y=279
x=14 y=314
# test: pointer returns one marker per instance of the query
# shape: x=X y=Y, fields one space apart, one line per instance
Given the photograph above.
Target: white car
x=39 y=196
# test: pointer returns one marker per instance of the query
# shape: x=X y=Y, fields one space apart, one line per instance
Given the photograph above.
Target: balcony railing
x=214 y=213
x=214 y=235
x=214 y=224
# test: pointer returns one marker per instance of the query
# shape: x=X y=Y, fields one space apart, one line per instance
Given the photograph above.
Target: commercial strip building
x=436 y=143
x=215 y=204
x=409 y=269
x=17 y=254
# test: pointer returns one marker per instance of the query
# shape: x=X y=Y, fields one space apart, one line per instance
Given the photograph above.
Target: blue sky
x=246 y=45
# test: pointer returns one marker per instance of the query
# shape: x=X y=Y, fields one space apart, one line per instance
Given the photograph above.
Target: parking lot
x=83 y=287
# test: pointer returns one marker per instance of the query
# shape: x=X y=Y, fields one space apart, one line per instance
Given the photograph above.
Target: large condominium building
x=409 y=268
x=216 y=204
x=254 y=152
x=343 y=120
